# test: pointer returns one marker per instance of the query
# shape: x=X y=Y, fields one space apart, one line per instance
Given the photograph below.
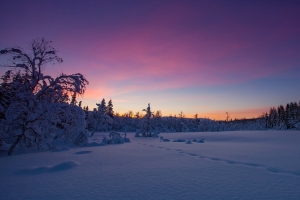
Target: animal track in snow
x=232 y=162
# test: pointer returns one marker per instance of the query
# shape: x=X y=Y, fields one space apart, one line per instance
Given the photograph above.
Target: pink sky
x=205 y=57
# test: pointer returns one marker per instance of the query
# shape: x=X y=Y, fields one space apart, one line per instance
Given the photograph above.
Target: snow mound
x=198 y=141
x=155 y=134
x=56 y=168
x=95 y=144
x=179 y=140
x=126 y=139
x=63 y=166
x=201 y=141
x=164 y=140
x=114 y=140
x=189 y=142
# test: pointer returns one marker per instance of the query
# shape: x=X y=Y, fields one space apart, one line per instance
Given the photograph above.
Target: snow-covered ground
x=229 y=165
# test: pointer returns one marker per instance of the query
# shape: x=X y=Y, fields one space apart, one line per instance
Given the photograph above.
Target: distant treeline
x=287 y=117
x=103 y=119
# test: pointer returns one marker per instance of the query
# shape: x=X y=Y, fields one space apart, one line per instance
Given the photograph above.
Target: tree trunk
x=12 y=147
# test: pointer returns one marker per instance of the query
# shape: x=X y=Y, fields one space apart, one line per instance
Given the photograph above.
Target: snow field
x=229 y=165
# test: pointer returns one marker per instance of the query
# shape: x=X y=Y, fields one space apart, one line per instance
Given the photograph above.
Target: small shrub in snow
x=115 y=138
x=125 y=139
x=164 y=140
x=201 y=141
x=114 y=135
x=140 y=133
x=105 y=140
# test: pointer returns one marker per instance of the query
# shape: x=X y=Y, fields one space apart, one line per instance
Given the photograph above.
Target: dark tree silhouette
x=30 y=90
x=110 y=110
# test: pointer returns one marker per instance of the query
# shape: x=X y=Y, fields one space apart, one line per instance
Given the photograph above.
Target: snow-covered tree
x=287 y=116
x=281 y=117
x=293 y=112
x=32 y=96
x=272 y=118
x=102 y=108
x=110 y=110
x=146 y=124
x=99 y=120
